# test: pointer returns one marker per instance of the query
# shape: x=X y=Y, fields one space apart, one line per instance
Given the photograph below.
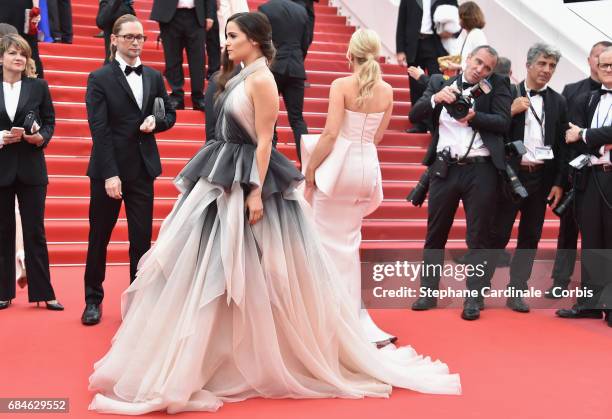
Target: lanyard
x=603 y=124
x=535 y=115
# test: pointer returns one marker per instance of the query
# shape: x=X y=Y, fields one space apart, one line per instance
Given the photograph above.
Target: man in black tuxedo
x=472 y=150
x=290 y=36
x=309 y=5
x=13 y=13
x=539 y=120
x=567 y=241
x=60 y=18
x=183 y=25
x=418 y=44
x=591 y=136
x=108 y=12
x=213 y=48
x=124 y=159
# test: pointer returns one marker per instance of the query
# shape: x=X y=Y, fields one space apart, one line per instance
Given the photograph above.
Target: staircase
x=396 y=225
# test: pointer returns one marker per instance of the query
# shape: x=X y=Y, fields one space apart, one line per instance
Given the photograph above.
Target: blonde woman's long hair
x=364 y=50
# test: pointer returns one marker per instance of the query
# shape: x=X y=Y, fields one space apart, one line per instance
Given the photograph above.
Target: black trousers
x=533 y=212
x=213 y=49
x=103 y=214
x=595 y=222
x=292 y=89
x=567 y=242
x=31 y=200
x=184 y=32
x=427 y=59
x=476 y=186
x=60 y=18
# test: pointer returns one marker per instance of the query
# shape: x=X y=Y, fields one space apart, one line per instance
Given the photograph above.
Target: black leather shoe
x=5 y=304
x=198 y=104
x=177 y=104
x=578 y=312
x=91 y=315
x=52 y=306
x=554 y=292
x=480 y=300
x=425 y=303
x=471 y=309
x=517 y=304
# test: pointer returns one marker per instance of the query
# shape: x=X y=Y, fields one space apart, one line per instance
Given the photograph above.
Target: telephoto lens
x=565 y=203
x=419 y=193
x=515 y=183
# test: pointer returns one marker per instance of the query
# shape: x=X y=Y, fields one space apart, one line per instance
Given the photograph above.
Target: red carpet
x=511 y=365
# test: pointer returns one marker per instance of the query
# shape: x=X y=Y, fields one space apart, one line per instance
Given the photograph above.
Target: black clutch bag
x=31 y=124
x=159 y=110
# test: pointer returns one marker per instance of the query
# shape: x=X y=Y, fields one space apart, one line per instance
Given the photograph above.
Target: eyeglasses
x=605 y=66
x=131 y=37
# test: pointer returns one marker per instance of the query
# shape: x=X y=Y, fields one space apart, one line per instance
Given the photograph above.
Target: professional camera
x=418 y=194
x=515 y=149
x=459 y=108
x=566 y=202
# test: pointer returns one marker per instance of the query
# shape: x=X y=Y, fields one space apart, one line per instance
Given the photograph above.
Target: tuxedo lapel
x=24 y=94
x=594 y=98
x=146 y=88
x=123 y=82
x=420 y=4
x=549 y=122
x=2 y=106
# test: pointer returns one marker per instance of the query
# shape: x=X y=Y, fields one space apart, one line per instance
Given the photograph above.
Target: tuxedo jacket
x=290 y=36
x=409 y=20
x=115 y=118
x=163 y=10
x=111 y=10
x=13 y=13
x=582 y=115
x=492 y=119
x=24 y=161
x=555 y=125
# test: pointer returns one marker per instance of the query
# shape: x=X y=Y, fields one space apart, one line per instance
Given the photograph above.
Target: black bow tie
x=537 y=92
x=465 y=85
x=137 y=70
x=604 y=91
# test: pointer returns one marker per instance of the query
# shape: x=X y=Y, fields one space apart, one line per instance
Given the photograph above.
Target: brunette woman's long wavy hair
x=256 y=27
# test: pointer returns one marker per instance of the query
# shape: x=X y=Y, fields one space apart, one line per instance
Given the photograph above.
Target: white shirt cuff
x=433 y=102
x=584 y=135
x=1 y=140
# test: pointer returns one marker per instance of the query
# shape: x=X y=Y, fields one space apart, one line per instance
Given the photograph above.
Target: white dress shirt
x=534 y=132
x=602 y=118
x=11 y=100
x=457 y=136
x=134 y=80
x=426 y=22
x=185 y=4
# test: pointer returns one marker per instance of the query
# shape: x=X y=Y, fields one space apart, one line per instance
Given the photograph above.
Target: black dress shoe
x=425 y=303
x=91 y=315
x=480 y=300
x=5 y=304
x=177 y=104
x=578 y=312
x=471 y=309
x=52 y=306
x=517 y=304
x=554 y=292
x=198 y=104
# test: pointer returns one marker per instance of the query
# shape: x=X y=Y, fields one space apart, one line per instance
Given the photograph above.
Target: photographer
x=539 y=121
x=465 y=156
x=591 y=137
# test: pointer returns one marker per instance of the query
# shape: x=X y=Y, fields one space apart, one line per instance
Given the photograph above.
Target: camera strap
x=469 y=147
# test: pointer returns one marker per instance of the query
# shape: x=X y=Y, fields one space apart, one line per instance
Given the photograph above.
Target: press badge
x=544 y=153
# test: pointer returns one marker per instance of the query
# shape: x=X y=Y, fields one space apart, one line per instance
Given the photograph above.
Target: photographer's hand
x=519 y=105
x=572 y=135
x=446 y=95
x=556 y=193
x=471 y=114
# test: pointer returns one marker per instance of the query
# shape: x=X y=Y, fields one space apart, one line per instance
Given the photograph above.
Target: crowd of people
x=253 y=287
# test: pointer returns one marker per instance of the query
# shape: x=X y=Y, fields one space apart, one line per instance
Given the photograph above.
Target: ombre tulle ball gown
x=222 y=311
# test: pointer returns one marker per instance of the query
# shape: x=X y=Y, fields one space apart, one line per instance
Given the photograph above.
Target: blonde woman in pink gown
x=343 y=168
x=237 y=298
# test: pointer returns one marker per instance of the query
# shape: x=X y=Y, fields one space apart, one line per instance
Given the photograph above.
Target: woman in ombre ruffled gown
x=237 y=298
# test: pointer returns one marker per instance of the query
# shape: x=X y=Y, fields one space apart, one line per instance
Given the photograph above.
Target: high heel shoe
x=56 y=306
x=5 y=304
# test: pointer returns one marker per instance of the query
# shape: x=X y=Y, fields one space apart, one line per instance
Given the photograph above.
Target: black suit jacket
x=408 y=28
x=573 y=90
x=163 y=10
x=24 y=161
x=13 y=13
x=555 y=125
x=115 y=118
x=583 y=114
x=290 y=36
x=111 y=10
x=492 y=119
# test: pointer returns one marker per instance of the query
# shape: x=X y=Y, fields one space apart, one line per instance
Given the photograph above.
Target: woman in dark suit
x=23 y=171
